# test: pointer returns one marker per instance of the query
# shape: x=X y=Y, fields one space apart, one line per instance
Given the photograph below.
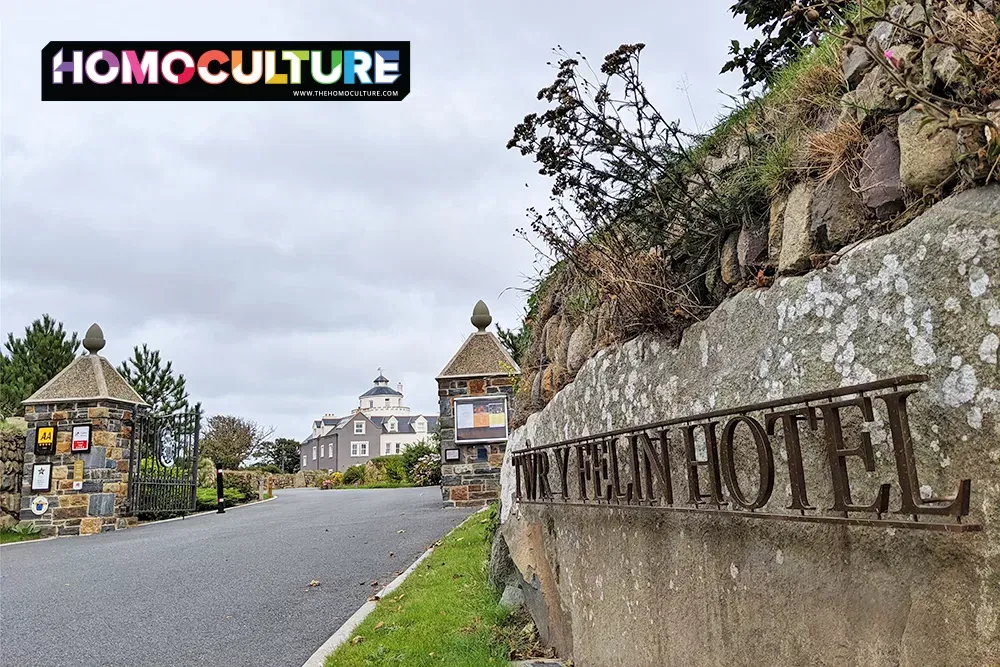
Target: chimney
x=399 y=387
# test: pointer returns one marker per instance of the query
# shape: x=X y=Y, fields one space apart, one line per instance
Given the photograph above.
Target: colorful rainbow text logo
x=375 y=71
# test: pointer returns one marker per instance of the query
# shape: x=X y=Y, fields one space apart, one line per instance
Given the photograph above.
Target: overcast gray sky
x=279 y=253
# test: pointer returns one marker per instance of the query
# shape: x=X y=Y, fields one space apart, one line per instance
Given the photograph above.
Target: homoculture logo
x=121 y=71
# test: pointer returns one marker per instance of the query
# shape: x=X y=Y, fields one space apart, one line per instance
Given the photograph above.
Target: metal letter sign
x=45 y=441
x=481 y=419
x=81 y=438
x=633 y=467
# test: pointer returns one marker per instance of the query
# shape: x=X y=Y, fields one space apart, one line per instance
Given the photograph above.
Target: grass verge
x=377 y=485
x=445 y=613
x=8 y=536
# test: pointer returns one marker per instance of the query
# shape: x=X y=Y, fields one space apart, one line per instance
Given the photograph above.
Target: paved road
x=226 y=590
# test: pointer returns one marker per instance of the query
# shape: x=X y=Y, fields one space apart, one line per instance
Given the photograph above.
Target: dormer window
x=392 y=425
x=420 y=426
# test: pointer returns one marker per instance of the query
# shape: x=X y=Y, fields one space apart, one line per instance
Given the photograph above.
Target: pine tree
x=155 y=381
x=283 y=453
x=30 y=362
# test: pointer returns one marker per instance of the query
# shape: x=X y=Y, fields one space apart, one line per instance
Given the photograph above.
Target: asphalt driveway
x=213 y=590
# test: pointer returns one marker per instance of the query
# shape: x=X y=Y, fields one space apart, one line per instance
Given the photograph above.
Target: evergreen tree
x=30 y=362
x=155 y=381
x=283 y=453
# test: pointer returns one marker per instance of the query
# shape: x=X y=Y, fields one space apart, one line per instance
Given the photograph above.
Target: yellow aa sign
x=46 y=435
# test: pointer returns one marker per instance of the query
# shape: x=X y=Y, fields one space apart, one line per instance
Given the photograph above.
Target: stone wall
x=474 y=479
x=11 y=467
x=99 y=505
x=617 y=586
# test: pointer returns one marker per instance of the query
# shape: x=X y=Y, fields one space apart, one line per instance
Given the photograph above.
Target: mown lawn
x=445 y=613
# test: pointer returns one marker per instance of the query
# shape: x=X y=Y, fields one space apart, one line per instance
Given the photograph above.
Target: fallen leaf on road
x=314 y=583
x=401 y=532
x=378 y=626
x=391 y=554
x=362 y=583
x=374 y=598
x=357 y=640
x=375 y=583
x=399 y=572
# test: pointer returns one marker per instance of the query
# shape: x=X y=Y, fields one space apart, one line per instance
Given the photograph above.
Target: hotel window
x=359 y=428
x=314 y=452
x=322 y=451
x=303 y=460
x=371 y=404
x=420 y=427
x=387 y=402
x=359 y=449
x=397 y=448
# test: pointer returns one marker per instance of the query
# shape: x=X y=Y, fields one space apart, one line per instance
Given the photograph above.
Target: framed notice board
x=481 y=419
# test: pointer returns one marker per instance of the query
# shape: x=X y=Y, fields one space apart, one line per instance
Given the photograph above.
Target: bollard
x=218 y=486
x=270 y=486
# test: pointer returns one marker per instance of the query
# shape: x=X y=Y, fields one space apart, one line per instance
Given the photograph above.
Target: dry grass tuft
x=837 y=150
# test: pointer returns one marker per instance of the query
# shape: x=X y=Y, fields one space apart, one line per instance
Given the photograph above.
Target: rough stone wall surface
x=11 y=469
x=473 y=480
x=99 y=505
x=616 y=586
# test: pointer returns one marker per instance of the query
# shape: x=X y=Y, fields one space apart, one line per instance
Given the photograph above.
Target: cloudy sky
x=280 y=252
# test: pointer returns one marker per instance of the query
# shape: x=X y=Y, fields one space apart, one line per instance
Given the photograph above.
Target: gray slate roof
x=381 y=391
x=90 y=377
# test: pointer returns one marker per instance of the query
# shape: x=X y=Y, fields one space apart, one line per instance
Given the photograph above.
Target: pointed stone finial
x=481 y=317
x=94 y=341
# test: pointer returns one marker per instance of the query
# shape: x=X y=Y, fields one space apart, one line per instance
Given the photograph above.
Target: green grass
x=377 y=485
x=445 y=613
x=8 y=536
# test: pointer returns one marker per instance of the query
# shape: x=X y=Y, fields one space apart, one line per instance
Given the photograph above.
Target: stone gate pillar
x=83 y=416
x=470 y=466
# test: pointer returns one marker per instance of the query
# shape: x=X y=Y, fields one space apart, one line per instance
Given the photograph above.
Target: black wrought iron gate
x=163 y=470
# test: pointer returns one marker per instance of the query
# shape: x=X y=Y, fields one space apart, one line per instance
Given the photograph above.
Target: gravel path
x=213 y=590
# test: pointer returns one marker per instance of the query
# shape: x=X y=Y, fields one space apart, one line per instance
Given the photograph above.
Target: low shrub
x=414 y=453
x=393 y=466
x=374 y=474
x=427 y=470
x=207 y=500
x=354 y=475
x=337 y=479
x=206 y=472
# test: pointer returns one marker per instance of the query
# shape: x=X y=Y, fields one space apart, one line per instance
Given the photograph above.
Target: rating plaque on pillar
x=45 y=441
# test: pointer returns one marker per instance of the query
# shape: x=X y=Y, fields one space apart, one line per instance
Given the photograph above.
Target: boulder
x=775 y=228
x=881 y=189
x=947 y=67
x=502 y=571
x=797 y=243
x=579 y=347
x=513 y=597
x=751 y=247
x=926 y=153
x=550 y=381
x=838 y=215
x=551 y=337
x=729 y=260
x=857 y=63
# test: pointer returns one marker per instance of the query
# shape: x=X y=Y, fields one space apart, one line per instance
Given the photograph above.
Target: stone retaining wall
x=617 y=586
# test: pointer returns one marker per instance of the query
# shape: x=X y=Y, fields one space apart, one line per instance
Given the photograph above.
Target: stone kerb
x=481 y=367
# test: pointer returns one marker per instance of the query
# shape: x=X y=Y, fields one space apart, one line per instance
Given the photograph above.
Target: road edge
x=140 y=525
x=343 y=633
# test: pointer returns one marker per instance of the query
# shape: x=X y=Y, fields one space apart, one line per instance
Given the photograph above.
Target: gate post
x=77 y=447
x=471 y=457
